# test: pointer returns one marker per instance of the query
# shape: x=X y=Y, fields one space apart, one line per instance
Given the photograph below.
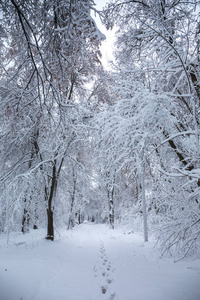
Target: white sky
x=107 y=46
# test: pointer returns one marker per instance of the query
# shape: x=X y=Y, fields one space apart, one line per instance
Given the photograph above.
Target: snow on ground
x=92 y=262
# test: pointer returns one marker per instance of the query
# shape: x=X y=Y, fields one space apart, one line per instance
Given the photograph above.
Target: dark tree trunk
x=51 y=197
x=25 y=221
x=50 y=229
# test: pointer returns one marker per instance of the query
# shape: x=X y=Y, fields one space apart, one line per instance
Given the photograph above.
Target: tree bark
x=111 y=214
x=110 y=189
x=50 y=227
x=71 y=221
x=143 y=196
x=25 y=221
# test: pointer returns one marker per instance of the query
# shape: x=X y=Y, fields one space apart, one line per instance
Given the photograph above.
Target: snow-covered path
x=92 y=262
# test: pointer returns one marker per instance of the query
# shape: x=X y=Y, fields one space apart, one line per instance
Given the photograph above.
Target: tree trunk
x=110 y=189
x=111 y=213
x=71 y=221
x=143 y=197
x=25 y=221
x=35 y=226
x=50 y=229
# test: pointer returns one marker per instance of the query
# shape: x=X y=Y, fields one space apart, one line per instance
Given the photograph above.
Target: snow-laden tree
x=157 y=44
x=131 y=127
x=160 y=39
x=49 y=50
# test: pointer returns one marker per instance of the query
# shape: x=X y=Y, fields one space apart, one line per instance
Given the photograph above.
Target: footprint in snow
x=105 y=266
x=103 y=289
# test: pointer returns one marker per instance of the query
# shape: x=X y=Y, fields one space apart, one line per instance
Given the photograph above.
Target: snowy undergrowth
x=92 y=262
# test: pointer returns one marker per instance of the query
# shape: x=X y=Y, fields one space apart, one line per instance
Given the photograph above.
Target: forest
x=80 y=142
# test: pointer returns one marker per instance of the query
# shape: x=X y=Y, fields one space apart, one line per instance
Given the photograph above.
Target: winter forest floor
x=92 y=262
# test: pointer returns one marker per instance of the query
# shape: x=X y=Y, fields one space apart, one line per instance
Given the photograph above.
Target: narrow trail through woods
x=92 y=262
